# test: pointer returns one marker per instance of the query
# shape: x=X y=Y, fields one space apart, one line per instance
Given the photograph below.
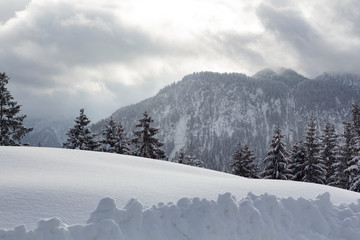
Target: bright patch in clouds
x=125 y=51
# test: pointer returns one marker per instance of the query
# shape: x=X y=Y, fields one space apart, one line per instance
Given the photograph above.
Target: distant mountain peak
x=284 y=75
x=266 y=73
x=213 y=111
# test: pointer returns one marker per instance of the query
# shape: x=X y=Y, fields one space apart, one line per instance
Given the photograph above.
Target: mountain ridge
x=211 y=112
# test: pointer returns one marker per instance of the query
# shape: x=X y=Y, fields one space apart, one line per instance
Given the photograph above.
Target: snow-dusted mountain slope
x=42 y=183
x=212 y=112
x=47 y=132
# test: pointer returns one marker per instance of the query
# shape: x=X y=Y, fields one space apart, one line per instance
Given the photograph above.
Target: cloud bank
x=69 y=54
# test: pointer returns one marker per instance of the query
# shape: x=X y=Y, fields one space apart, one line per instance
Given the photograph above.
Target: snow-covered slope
x=211 y=112
x=41 y=183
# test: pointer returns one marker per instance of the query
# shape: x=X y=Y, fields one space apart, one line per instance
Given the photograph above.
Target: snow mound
x=253 y=217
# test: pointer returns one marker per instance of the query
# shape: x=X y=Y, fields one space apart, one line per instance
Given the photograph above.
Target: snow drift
x=254 y=217
x=54 y=184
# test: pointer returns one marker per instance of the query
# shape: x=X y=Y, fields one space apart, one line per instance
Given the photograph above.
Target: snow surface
x=159 y=200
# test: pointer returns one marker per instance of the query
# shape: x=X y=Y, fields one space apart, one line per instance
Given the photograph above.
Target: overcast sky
x=67 y=54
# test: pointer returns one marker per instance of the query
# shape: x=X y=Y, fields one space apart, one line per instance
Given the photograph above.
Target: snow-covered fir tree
x=11 y=124
x=243 y=163
x=115 y=139
x=353 y=166
x=181 y=157
x=315 y=170
x=297 y=161
x=356 y=119
x=355 y=174
x=342 y=176
x=191 y=160
x=329 y=150
x=276 y=161
x=349 y=155
x=146 y=145
x=80 y=136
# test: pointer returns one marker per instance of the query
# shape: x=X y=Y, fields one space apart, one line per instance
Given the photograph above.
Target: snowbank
x=254 y=217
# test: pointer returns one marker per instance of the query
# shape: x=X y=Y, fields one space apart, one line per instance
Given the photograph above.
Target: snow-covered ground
x=64 y=194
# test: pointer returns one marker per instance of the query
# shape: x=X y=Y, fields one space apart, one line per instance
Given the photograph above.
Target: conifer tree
x=12 y=129
x=243 y=163
x=329 y=150
x=181 y=156
x=276 y=160
x=315 y=170
x=355 y=174
x=342 y=175
x=115 y=140
x=352 y=171
x=145 y=143
x=297 y=161
x=356 y=119
x=191 y=160
x=80 y=136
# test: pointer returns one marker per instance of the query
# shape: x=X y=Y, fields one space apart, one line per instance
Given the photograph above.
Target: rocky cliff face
x=211 y=112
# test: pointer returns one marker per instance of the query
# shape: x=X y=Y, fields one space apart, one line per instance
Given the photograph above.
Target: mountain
x=47 y=132
x=211 y=112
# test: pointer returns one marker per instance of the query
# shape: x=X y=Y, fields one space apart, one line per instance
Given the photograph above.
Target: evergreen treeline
x=114 y=139
x=327 y=158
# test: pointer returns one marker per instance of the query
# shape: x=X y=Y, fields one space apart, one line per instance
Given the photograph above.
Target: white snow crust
x=58 y=189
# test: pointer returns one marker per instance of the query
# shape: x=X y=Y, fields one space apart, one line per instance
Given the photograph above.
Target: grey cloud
x=313 y=50
x=8 y=8
x=235 y=46
x=59 y=25
x=42 y=46
x=348 y=13
x=288 y=24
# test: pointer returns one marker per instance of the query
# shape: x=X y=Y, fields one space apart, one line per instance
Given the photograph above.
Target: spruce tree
x=276 y=160
x=181 y=156
x=145 y=143
x=11 y=124
x=315 y=170
x=243 y=163
x=297 y=161
x=80 y=136
x=356 y=119
x=191 y=160
x=342 y=175
x=355 y=174
x=115 y=140
x=329 y=150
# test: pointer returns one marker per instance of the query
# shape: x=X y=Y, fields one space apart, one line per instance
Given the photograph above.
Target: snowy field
x=61 y=194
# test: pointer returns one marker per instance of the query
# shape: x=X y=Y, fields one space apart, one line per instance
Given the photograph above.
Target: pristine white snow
x=53 y=192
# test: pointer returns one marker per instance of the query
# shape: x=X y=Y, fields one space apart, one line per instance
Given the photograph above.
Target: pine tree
x=297 y=161
x=353 y=166
x=115 y=140
x=243 y=163
x=355 y=174
x=356 y=119
x=191 y=160
x=276 y=160
x=329 y=151
x=80 y=136
x=315 y=170
x=342 y=175
x=145 y=143
x=11 y=124
x=181 y=156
